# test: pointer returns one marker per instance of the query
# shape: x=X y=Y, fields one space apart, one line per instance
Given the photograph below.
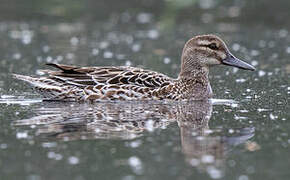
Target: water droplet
x=243 y=177
x=136 y=47
x=104 y=44
x=74 y=41
x=135 y=144
x=261 y=73
x=128 y=63
x=135 y=164
x=16 y=56
x=73 y=160
x=95 y=52
x=254 y=63
x=214 y=172
x=21 y=135
x=288 y=49
x=207 y=159
x=236 y=47
x=108 y=54
x=153 y=34
x=241 y=80
x=45 y=49
x=194 y=162
x=144 y=18
x=255 y=52
x=166 y=60
x=206 y=4
x=3 y=146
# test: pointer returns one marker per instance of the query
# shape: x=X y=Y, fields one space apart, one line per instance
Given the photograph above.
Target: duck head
x=205 y=51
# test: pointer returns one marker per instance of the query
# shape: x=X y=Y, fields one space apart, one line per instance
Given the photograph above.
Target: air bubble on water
x=108 y=54
x=234 y=105
x=136 y=164
x=125 y=17
x=271 y=44
x=33 y=177
x=153 y=34
x=194 y=162
x=208 y=131
x=129 y=177
x=53 y=155
x=103 y=44
x=288 y=50
x=74 y=41
x=274 y=56
x=261 y=73
x=254 y=63
x=95 y=52
x=166 y=60
x=136 y=47
x=120 y=56
x=207 y=159
x=255 y=53
x=45 y=49
x=70 y=56
x=73 y=160
x=135 y=144
x=48 y=59
x=243 y=111
x=236 y=47
x=206 y=17
x=262 y=43
x=243 y=177
x=214 y=172
x=194 y=133
x=144 y=18
x=232 y=163
x=21 y=135
x=283 y=33
x=128 y=63
x=272 y=116
x=200 y=138
x=206 y=4
x=239 y=117
x=26 y=36
x=235 y=70
x=3 y=146
x=241 y=80
x=16 y=56
x=49 y=144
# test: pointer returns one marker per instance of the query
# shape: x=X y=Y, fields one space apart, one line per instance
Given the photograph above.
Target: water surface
x=242 y=134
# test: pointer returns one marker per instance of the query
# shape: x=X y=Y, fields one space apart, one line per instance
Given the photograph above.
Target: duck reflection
x=203 y=147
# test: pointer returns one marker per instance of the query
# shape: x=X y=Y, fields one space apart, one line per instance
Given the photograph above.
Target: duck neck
x=193 y=82
x=195 y=72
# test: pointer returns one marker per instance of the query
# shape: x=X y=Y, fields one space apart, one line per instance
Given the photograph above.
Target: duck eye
x=213 y=46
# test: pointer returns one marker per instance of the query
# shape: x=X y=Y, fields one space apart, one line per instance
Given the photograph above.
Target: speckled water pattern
x=242 y=134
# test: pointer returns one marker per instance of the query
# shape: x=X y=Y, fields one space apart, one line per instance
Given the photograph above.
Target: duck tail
x=28 y=79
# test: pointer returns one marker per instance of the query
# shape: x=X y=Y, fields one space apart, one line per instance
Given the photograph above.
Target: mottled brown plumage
x=128 y=83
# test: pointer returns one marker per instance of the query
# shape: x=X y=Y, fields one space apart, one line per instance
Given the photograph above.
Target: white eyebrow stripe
x=204 y=42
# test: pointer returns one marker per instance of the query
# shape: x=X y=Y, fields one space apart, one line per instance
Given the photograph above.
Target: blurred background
x=148 y=34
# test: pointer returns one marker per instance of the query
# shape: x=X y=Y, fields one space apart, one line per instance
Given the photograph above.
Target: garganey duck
x=72 y=83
